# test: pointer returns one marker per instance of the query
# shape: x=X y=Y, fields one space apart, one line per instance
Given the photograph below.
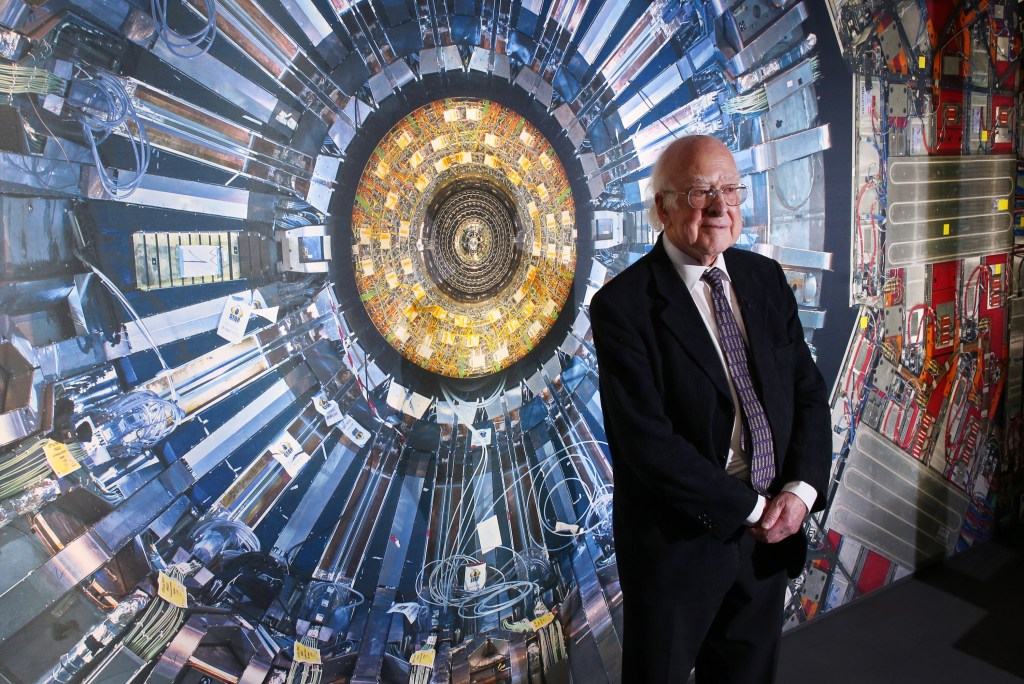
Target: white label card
x=411 y=611
x=353 y=430
x=233 y=319
x=328 y=408
x=489 y=533
x=260 y=308
x=481 y=437
x=476 y=576
x=289 y=454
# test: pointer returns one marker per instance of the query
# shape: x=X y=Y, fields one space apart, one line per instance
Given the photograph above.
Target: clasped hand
x=782 y=517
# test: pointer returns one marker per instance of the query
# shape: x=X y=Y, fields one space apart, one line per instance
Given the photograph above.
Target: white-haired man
x=718 y=424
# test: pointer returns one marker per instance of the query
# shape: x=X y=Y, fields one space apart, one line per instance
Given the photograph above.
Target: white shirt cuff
x=804 y=492
x=758 y=511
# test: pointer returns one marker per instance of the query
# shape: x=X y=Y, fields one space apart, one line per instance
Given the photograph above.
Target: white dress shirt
x=737 y=462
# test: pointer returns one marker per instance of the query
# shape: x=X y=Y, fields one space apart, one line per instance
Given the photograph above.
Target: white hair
x=661 y=184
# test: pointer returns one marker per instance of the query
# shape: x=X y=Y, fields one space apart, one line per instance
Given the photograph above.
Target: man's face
x=701 y=233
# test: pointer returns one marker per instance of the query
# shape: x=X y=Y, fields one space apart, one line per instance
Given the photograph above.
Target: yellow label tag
x=59 y=458
x=945 y=229
x=984 y=136
x=921 y=62
x=543 y=621
x=424 y=658
x=997 y=269
x=1004 y=204
x=863 y=322
x=306 y=654
x=172 y=591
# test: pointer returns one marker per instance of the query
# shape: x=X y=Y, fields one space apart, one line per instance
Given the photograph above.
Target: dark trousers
x=730 y=636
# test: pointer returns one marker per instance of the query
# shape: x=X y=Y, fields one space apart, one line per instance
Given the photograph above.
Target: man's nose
x=717 y=205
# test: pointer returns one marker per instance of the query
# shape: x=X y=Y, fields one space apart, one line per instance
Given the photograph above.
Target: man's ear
x=659 y=205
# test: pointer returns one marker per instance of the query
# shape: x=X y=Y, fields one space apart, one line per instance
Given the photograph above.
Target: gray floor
x=961 y=621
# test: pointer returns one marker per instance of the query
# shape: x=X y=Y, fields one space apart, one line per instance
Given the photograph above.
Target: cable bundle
x=185 y=45
x=158 y=624
x=304 y=672
x=757 y=101
x=27 y=467
x=115 y=109
x=20 y=79
x=751 y=103
x=438 y=580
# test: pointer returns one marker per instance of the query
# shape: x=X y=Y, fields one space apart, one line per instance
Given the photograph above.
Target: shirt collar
x=688 y=268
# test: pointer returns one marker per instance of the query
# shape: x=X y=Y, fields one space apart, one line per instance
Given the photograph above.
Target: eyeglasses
x=701 y=197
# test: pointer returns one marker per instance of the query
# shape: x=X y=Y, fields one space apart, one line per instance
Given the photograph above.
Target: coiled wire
x=112 y=109
x=185 y=45
x=437 y=582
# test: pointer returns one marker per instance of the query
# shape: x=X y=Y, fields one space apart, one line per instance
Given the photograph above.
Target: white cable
x=138 y=320
x=185 y=45
x=117 y=109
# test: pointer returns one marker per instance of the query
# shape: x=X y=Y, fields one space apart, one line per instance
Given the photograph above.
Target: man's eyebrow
x=704 y=180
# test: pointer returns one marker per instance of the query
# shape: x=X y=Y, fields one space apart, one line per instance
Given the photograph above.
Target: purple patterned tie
x=762 y=461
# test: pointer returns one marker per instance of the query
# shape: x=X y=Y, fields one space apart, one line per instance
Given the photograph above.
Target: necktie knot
x=713 y=277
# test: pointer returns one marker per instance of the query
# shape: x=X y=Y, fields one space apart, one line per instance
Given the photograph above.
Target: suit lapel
x=681 y=317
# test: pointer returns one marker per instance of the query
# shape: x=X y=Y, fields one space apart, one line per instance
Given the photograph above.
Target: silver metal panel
x=791 y=256
x=895 y=505
x=535 y=383
x=502 y=68
x=186 y=195
x=309 y=19
x=571 y=124
x=922 y=249
x=777 y=152
x=787 y=83
x=342 y=134
x=223 y=80
x=311 y=507
x=552 y=367
x=185 y=322
x=430 y=61
x=207 y=454
x=812 y=318
x=326 y=167
x=948 y=208
x=319 y=195
x=535 y=85
x=401 y=529
x=913 y=170
x=381 y=86
x=751 y=55
x=451 y=58
x=601 y=29
x=401 y=72
x=650 y=95
x=46 y=173
x=926 y=208
x=569 y=345
x=478 y=60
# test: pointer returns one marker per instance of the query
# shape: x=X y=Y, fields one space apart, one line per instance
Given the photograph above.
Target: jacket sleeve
x=641 y=434
x=809 y=454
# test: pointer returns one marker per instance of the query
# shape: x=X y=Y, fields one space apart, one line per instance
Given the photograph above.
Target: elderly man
x=718 y=425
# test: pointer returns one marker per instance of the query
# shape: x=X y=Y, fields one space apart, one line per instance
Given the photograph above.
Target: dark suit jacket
x=669 y=418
